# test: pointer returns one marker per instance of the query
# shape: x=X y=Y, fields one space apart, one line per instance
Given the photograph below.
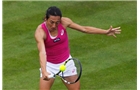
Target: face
x=53 y=22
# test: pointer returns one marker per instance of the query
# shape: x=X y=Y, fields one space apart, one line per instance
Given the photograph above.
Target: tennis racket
x=77 y=71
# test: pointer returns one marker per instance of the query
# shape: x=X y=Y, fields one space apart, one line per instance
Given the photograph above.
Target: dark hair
x=54 y=11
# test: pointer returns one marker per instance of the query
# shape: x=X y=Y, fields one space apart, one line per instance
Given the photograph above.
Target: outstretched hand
x=112 y=31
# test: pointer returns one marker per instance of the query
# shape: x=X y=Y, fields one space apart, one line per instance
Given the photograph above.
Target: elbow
x=42 y=54
x=84 y=30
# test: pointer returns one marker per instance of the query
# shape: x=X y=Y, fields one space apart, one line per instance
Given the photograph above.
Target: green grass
x=108 y=63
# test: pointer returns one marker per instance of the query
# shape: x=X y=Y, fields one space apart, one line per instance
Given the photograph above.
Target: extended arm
x=39 y=36
x=91 y=30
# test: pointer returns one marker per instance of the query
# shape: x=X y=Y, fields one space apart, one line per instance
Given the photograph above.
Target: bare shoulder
x=66 y=21
x=39 y=33
x=65 y=18
x=38 y=29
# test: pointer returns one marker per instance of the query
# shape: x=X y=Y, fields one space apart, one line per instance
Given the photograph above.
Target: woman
x=52 y=42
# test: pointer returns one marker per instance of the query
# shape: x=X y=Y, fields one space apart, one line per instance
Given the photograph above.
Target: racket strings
x=77 y=70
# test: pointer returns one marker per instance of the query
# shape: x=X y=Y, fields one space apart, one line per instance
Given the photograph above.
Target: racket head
x=78 y=69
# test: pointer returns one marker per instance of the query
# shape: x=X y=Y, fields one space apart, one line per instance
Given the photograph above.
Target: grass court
x=108 y=63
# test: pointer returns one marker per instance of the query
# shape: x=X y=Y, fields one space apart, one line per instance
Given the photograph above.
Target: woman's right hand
x=45 y=76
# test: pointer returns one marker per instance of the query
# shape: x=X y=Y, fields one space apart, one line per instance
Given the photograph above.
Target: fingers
x=114 y=35
x=112 y=31
x=111 y=27
x=116 y=30
x=46 y=78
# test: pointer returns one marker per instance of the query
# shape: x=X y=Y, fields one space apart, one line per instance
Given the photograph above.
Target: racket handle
x=51 y=76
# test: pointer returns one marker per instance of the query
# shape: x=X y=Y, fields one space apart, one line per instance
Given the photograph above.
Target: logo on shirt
x=62 y=32
x=56 y=40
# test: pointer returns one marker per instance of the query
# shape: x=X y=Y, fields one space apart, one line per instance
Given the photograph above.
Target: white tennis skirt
x=54 y=68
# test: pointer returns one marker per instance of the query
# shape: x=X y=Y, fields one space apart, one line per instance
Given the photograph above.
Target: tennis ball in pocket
x=62 y=68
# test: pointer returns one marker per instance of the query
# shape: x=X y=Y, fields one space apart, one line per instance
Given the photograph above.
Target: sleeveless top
x=57 y=48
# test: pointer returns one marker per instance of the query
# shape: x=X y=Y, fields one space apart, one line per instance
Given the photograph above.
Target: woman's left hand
x=112 y=31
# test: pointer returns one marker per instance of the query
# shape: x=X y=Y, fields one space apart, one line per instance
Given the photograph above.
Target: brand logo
x=73 y=70
x=62 y=32
x=56 y=40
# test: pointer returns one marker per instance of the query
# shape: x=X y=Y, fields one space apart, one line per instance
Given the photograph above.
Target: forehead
x=54 y=18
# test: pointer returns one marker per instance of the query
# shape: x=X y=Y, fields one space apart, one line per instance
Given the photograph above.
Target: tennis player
x=53 y=45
